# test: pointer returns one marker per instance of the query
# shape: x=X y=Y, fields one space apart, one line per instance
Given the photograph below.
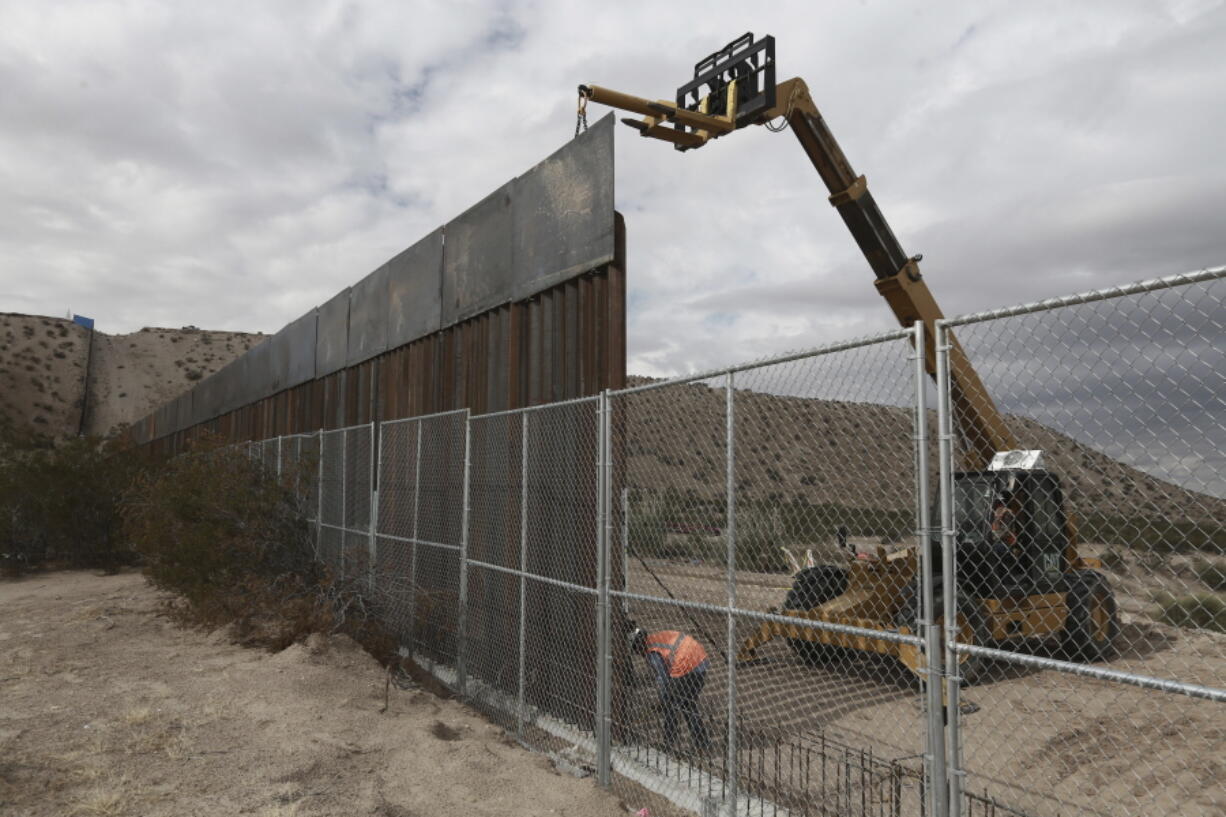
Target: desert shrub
x=212 y=519
x=1212 y=573
x=230 y=538
x=1205 y=611
x=60 y=501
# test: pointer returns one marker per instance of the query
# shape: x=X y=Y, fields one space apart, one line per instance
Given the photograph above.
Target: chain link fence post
x=373 y=522
x=319 y=499
x=730 y=534
x=462 y=608
x=934 y=767
x=949 y=581
x=414 y=581
x=603 y=617
x=523 y=569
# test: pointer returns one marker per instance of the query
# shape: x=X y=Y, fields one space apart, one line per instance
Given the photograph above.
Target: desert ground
x=108 y=708
x=1042 y=742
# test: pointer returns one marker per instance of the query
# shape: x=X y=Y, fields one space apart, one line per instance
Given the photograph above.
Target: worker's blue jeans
x=680 y=695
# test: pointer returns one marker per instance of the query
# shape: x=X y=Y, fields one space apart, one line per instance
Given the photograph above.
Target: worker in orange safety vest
x=679 y=664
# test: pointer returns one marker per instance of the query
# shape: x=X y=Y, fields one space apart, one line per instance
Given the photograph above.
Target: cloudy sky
x=231 y=165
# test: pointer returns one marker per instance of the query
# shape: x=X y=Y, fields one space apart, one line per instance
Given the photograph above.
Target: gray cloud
x=231 y=165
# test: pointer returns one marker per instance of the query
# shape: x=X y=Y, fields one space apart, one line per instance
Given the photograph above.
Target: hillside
x=854 y=454
x=44 y=386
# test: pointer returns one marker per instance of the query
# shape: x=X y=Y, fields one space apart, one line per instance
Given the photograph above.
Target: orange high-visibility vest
x=681 y=653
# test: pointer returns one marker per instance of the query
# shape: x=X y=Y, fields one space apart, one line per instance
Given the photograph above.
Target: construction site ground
x=1041 y=741
x=108 y=708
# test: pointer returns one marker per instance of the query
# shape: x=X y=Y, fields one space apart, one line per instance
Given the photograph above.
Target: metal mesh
x=816 y=460
x=1123 y=395
x=774 y=516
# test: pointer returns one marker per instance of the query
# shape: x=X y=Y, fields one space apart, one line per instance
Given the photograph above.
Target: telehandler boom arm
x=898 y=277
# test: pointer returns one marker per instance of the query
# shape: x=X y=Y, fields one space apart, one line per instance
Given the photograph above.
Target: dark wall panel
x=293 y=352
x=332 y=335
x=260 y=379
x=562 y=214
x=368 y=317
x=414 y=291
x=477 y=268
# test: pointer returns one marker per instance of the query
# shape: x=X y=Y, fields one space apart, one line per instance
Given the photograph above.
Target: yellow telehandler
x=1019 y=573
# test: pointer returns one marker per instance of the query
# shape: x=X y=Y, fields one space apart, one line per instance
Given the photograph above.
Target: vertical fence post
x=948 y=573
x=278 y=457
x=319 y=500
x=730 y=535
x=604 y=618
x=523 y=568
x=462 y=611
x=373 y=544
x=934 y=748
x=340 y=558
x=601 y=598
x=413 y=544
x=626 y=549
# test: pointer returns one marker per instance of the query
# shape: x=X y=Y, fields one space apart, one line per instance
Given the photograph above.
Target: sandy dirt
x=1047 y=743
x=108 y=708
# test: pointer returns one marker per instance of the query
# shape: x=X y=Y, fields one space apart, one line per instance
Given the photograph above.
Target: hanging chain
x=581 y=114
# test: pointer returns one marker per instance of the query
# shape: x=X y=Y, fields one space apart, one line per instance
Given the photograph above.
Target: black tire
x=974 y=629
x=813 y=587
x=1093 y=623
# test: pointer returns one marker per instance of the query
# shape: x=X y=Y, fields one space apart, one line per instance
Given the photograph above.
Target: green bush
x=1205 y=611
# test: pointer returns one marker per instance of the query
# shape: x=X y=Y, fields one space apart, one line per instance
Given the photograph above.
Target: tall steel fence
x=875 y=622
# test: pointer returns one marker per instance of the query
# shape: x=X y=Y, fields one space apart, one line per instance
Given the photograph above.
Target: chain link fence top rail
x=1124 y=392
x=513 y=553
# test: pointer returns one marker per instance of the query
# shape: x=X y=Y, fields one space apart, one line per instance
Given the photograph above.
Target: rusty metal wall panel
x=562 y=213
x=293 y=352
x=415 y=291
x=368 y=317
x=332 y=335
x=477 y=269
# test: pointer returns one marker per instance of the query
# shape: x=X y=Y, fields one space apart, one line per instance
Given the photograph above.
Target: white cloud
x=231 y=165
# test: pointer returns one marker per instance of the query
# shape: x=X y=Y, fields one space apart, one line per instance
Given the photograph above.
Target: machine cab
x=1011 y=531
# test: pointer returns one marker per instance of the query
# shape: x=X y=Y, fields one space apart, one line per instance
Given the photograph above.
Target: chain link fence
x=817 y=584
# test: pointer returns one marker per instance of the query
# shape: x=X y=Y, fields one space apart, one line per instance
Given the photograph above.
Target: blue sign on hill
x=88 y=323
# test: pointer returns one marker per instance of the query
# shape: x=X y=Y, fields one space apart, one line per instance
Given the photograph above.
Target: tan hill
x=854 y=455
x=44 y=386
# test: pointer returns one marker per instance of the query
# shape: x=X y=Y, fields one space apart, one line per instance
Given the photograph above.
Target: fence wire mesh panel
x=747 y=502
x=1099 y=552
x=331 y=500
x=494 y=625
x=396 y=525
x=713 y=588
x=561 y=557
x=438 y=522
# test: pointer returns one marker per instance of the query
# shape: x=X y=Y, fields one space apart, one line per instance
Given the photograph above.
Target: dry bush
x=230 y=538
x=60 y=499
